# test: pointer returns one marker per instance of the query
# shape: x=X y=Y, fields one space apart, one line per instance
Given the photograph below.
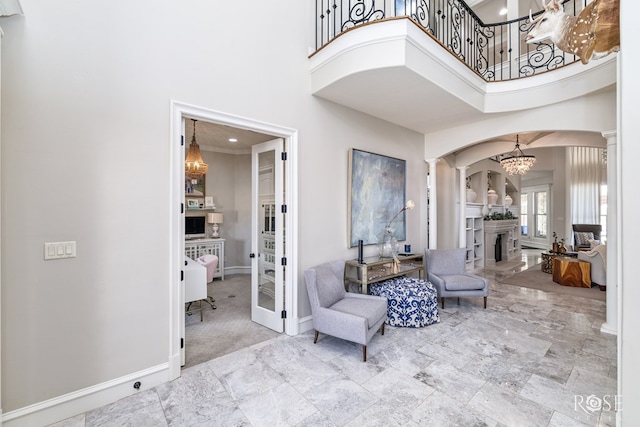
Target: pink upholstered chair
x=211 y=262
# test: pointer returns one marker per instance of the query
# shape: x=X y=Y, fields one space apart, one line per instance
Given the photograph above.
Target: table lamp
x=215 y=218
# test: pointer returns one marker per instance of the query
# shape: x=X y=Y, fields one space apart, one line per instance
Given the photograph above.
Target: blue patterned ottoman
x=411 y=302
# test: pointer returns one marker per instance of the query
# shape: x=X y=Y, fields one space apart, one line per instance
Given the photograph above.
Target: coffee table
x=571 y=272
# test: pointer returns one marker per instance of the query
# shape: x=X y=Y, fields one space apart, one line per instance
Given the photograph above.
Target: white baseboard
x=239 y=269
x=87 y=399
x=607 y=329
x=305 y=324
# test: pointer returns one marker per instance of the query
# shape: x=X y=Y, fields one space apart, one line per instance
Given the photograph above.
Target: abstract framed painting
x=376 y=194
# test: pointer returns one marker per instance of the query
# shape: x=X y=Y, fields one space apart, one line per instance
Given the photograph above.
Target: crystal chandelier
x=194 y=166
x=517 y=163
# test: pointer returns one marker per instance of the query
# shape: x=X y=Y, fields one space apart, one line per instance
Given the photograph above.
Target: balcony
x=425 y=68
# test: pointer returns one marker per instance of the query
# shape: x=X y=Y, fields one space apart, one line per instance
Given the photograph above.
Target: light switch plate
x=59 y=250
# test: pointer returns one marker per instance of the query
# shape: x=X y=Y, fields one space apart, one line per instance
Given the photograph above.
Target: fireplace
x=502 y=241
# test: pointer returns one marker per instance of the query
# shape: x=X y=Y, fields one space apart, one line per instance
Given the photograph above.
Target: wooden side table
x=571 y=272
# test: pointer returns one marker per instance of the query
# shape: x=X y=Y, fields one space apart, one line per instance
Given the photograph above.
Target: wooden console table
x=572 y=272
x=376 y=269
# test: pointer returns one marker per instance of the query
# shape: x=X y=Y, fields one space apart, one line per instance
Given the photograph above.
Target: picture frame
x=376 y=193
x=208 y=202
x=195 y=187
x=193 y=204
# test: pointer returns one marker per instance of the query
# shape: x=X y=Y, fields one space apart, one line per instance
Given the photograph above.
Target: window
x=541 y=225
x=535 y=216
x=524 y=214
x=603 y=211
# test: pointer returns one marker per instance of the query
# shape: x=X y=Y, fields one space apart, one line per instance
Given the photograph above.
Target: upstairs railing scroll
x=496 y=52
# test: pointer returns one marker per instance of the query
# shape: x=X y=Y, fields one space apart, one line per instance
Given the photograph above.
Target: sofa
x=597 y=257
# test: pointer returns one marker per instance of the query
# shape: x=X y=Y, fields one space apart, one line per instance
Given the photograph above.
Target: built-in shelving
x=474 y=228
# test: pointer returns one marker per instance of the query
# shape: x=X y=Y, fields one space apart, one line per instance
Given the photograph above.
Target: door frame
x=179 y=111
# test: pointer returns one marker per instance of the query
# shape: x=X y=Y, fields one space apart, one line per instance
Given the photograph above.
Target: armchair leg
x=382 y=328
x=315 y=337
x=364 y=353
x=442 y=299
x=485 y=303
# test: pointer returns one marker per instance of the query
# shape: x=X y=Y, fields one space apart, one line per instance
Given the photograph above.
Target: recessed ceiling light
x=503 y=11
x=233 y=140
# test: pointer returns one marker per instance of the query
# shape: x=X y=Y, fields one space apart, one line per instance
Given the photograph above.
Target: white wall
x=229 y=182
x=242 y=232
x=553 y=160
x=85 y=157
x=629 y=152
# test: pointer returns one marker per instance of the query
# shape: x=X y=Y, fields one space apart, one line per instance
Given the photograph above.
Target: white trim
x=180 y=110
x=238 y=269
x=606 y=329
x=305 y=324
x=86 y=399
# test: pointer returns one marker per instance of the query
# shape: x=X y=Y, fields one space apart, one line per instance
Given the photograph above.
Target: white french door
x=268 y=260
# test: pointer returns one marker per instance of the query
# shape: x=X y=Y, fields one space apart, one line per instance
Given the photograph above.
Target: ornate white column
x=613 y=263
x=433 y=205
x=462 y=220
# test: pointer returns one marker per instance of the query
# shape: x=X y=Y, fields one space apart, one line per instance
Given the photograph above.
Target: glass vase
x=389 y=245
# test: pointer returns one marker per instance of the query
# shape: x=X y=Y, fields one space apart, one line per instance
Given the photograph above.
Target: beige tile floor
x=530 y=359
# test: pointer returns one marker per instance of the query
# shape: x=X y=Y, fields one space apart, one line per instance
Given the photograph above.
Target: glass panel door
x=267 y=265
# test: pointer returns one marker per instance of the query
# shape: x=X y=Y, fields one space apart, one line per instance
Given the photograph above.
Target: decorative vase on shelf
x=471 y=195
x=492 y=197
x=389 y=245
x=508 y=201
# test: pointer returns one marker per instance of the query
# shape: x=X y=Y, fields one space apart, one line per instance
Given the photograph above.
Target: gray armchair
x=336 y=312
x=446 y=270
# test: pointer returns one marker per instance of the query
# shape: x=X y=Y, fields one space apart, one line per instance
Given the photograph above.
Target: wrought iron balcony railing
x=495 y=52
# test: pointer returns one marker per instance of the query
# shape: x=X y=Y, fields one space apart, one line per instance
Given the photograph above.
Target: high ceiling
x=215 y=137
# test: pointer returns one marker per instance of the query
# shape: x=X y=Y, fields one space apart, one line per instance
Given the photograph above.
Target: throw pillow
x=582 y=238
x=593 y=243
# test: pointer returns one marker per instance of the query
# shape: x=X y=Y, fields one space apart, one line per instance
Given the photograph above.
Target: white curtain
x=587 y=174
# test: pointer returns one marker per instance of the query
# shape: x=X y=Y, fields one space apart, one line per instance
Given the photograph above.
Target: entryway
x=282 y=281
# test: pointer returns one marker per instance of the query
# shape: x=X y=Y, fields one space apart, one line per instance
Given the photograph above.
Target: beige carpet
x=534 y=278
x=227 y=328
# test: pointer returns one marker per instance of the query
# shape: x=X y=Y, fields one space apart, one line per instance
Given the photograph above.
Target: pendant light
x=194 y=166
x=517 y=163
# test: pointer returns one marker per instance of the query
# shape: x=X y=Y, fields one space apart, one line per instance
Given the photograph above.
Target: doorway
x=179 y=113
